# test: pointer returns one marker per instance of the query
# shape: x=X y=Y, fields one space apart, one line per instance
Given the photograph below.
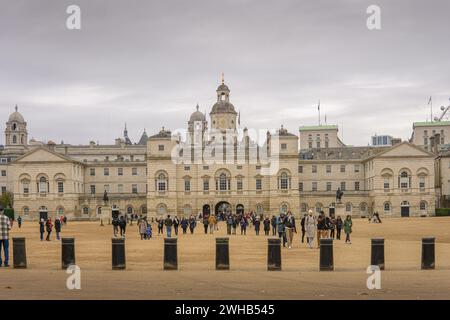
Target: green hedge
x=443 y=212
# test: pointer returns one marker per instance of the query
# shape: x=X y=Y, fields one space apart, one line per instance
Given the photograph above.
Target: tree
x=7 y=200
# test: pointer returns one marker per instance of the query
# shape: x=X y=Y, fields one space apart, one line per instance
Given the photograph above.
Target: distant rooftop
x=321 y=127
x=431 y=124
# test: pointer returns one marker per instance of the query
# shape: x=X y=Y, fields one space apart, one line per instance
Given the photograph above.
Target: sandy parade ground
x=248 y=278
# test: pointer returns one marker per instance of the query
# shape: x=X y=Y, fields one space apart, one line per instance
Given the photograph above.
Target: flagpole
x=318 y=107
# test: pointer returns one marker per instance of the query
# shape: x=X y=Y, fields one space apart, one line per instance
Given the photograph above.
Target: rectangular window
x=26 y=188
x=258 y=184
x=205 y=167
x=342 y=186
x=314 y=186
x=3 y=189
x=328 y=168
x=239 y=167
x=356 y=167
x=283 y=146
x=92 y=171
x=318 y=144
x=258 y=167
x=3 y=173
x=161 y=147
x=310 y=145
x=187 y=168
x=300 y=186
x=314 y=168
x=205 y=185
x=134 y=171
x=422 y=183
x=328 y=186
x=120 y=171
x=120 y=188
x=106 y=171
x=239 y=184
x=187 y=185
x=357 y=185
x=300 y=168
x=327 y=144
x=342 y=167
x=60 y=187
x=134 y=188
x=386 y=184
x=92 y=189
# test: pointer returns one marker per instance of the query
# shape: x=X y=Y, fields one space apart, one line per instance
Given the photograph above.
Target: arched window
x=284 y=208
x=423 y=206
x=259 y=209
x=223 y=182
x=284 y=181
x=387 y=207
x=187 y=210
x=144 y=209
x=43 y=185
x=129 y=210
x=404 y=180
x=348 y=207
x=99 y=210
x=14 y=127
x=162 y=182
x=26 y=211
x=60 y=211
x=303 y=207
x=14 y=139
x=85 y=210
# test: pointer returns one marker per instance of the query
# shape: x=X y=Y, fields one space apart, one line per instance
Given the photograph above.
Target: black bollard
x=274 y=254
x=428 y=253
x=222 y=254
x=377 y=254
x=170 y=254
x=118 y=254
x=326 y=255
x=67 y=252
x=19 y=253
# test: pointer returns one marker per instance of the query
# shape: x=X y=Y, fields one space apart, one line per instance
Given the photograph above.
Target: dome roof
x=223 y=107
x=16 y=116
x=197 y=116
x=223 y=87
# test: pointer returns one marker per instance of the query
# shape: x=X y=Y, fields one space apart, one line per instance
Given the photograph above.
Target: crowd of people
x=48 y=225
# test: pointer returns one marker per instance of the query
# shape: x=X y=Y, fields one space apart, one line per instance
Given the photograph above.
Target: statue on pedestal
x=339 y=195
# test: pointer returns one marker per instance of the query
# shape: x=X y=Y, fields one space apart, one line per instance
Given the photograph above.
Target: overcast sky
x=148 y=63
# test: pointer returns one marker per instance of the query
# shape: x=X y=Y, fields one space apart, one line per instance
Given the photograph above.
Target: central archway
x=222 y=208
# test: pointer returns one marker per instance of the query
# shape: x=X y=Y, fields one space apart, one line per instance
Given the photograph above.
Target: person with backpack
x=115 y=223
x=49 y=228
x=243 y=224
x=339 y=225
x=176 y=223
x=290 y=228
x=266 y=224
x=168 y=223
x=320 y=227
x=122 y=226
x=234 y=224
x=57 y=227
x=184 y=224
x=348 y=229
x=273 y=222
x=229 y=221
x=257 y=225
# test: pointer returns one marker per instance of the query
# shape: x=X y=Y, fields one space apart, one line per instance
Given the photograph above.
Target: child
x=149 y=231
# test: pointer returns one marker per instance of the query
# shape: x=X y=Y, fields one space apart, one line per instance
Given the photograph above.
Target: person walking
x=42 y=228
x=229 y=221
x=332 y=226
x=302 y=224
x=176 y=223
x=160 y=226
x=290 y=228
x=280 y=229
x=212 y=223
x=57 y=227
x=19 y=222
x=348 y=229
x=49 y=228
x=5 y=226
x=122 y=226
x=273 y=222
x=115 y=224
x=234 y=224
x=257 y=225
x=205 y=224
x=149 y=230
x=192 y=224
x=244 y=224
x=339 y=225
x=310 y=228
x=320 y=227
x=168 y=223
x=184 y=224
x=266 y=224
x=142 y=227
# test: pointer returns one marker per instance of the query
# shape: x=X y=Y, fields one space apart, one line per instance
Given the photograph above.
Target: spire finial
x=197 y=107
x=223 y=78
x=16 y=107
